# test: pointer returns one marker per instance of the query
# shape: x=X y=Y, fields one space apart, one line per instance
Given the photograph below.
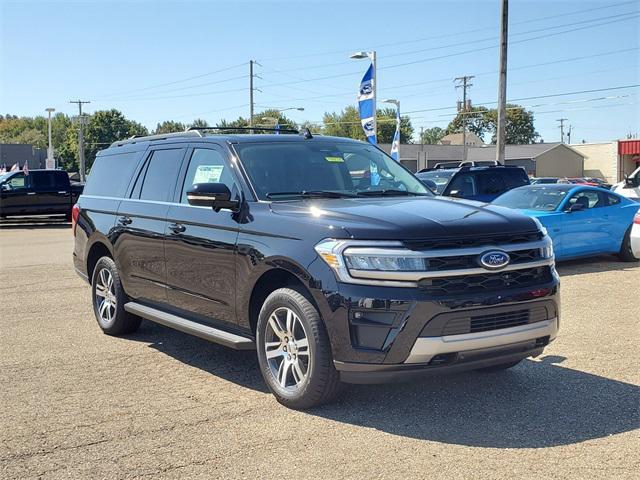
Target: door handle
x=177 y=228
x=124 y=220
x=31 y=193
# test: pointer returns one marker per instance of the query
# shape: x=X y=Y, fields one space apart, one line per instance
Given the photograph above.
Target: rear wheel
x=294 y=351
x=499 y=367
x=109 y=299
x=626 y=254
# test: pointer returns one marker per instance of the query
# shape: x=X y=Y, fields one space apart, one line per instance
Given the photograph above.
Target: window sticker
x=375 y=176
x=334 y=159
x=208 y=174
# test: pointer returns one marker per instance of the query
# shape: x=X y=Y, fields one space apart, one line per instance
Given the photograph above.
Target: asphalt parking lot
x=79 y=404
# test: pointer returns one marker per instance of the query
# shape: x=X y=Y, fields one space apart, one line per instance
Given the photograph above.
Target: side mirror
x=5 y=187
x=576 y=207
x=631 y=182
x=214 y=195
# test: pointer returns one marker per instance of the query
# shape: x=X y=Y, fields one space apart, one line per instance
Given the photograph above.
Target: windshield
x=284 y=170
x=439 y=177
x=533 y=198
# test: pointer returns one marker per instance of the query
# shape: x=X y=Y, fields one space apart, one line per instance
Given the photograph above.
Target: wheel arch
x=99 y=248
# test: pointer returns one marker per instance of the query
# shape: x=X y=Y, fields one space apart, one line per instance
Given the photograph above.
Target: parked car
x=630 y=186
x=581 y=220
x=37 y=193
x=481 y=183
x=635 y=235
x=280 y=243
x=543 y=180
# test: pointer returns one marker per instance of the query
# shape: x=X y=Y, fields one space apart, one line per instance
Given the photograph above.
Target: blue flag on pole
x=395 y=144
x=367 y=105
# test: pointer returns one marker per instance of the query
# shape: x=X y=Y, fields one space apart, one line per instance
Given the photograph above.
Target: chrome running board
x=215 y=335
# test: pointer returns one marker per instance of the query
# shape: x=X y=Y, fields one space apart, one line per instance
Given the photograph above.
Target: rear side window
x=517 y=178
x=491 y=184
x=111 y=174
x=612 y=199
x=44 y=181
x=160 y=177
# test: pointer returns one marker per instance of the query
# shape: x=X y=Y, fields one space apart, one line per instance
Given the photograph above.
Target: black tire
x=117 y=321
x=500 y=367
x=321 y=381
x=626 y=254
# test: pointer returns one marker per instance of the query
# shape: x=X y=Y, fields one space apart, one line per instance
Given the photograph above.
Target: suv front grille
x=471 y=261
x=487 y=282
x=475 y=241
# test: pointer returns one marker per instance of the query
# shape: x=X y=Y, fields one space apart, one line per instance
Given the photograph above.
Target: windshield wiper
x=388 y=192
x=310 y=194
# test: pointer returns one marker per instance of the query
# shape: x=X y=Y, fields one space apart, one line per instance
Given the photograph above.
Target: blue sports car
x=581 y=220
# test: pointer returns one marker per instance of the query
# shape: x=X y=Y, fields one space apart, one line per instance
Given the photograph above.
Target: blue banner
x=367 y=105
x=395 y=144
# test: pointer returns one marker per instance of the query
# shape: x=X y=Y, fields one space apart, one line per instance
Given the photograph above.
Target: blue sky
x=134 y=56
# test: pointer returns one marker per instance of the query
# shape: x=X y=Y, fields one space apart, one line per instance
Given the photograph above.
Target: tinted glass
x=206 y=166
x=588 y=198
x=463 y=184
x=516 y=178
x=533 y=198
x=613 y=199
x=110 y=174
x=160 y=177
x=45 y=181
x=349 y=169
x=439 y=177
x=491 y=183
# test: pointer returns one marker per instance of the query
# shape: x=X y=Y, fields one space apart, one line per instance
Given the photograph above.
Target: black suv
x=480 y=181
x=326 y=256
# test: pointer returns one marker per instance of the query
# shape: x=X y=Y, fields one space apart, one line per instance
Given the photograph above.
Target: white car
x=635 y=236
x=630 y=186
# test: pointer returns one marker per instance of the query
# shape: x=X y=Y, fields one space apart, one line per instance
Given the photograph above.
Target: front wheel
x=294 y=351
x=626 y=254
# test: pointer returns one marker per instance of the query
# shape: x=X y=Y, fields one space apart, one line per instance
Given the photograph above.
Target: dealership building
x=610 y=160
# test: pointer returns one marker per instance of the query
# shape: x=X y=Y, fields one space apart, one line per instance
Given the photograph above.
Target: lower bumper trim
x=366 y=373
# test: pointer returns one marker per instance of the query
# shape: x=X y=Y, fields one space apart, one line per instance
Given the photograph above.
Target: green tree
x=105 y=127
x=476 y=122
x=266 y=119
x=169 y=126
x=347 y=124
x=432 y=136
x=482 y=121
x=199 y=122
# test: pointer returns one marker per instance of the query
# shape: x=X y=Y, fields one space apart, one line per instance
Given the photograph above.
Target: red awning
x=628 y=147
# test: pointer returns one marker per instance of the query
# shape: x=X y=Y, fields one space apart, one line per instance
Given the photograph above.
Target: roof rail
x=160 y=136
x=245 y=129
x=469 y=163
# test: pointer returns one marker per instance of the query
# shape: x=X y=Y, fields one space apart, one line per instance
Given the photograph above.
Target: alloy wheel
x=287 y=348
x=105 y=296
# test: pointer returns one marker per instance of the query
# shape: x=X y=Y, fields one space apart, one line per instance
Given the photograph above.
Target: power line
x=178 y=81
x=466 y=32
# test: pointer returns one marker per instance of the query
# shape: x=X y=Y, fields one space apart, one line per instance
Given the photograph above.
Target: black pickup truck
x=40 y=192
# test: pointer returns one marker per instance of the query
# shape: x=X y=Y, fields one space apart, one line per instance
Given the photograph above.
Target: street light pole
x=50 y=157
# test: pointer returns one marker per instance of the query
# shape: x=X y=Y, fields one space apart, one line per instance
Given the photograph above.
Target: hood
x=406 y=218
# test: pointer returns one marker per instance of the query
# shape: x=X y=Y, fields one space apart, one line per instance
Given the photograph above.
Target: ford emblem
x=494 y=260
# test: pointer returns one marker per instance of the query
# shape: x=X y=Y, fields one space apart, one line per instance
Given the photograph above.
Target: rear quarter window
x=111 y=174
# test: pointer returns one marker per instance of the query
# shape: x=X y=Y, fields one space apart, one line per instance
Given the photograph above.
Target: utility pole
x=81 y=121
x=502 y=85
x=464 y=84
x=569 y=135
x=562 y=120
x=251 y=90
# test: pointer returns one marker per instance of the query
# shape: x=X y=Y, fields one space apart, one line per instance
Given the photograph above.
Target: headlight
x=383 y=263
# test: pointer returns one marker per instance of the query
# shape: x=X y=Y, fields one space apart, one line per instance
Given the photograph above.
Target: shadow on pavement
x=603 y=263
x=536 y=404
